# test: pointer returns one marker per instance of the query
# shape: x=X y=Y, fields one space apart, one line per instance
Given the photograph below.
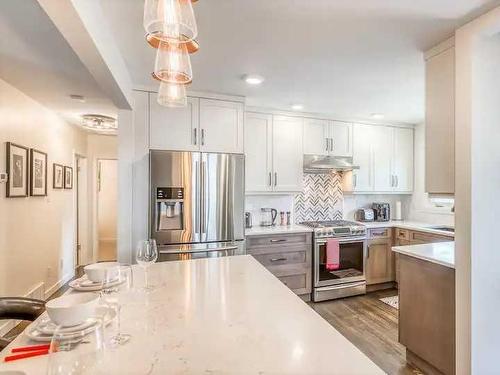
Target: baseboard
x=54 y=288
x=382 y=286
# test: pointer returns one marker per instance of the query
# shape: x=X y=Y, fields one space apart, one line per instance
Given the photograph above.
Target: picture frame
x=17 y=170
x=57 y=176
x=38 y=173
x=68 y=177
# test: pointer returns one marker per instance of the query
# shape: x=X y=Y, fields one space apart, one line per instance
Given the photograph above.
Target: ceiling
x=344 y=58
x=36 y=59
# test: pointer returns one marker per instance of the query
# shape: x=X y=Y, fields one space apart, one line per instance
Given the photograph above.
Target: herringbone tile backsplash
x=321 y=198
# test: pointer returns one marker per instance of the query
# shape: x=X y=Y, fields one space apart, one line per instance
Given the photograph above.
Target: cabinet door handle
x=331 y=144
x=367 y=252
x=203 y=137
x=275 y=178
x=392 y=180
x=327 y=144
x=278 y=259
x=279 y=240
x=354 y=180
x=195 y=131
x=397 y=180
x=270 y=179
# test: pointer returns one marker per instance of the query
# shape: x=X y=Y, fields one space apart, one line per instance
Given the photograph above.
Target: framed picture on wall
x=68 y=177
x=58 y=176
x=17 y=169
x=38 y=173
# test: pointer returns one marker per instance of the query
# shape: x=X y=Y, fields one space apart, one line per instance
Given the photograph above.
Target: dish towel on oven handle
x=332 y=254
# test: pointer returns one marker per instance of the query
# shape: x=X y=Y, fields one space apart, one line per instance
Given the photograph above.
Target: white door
x=83 y=255
x=341 y=136
x=287 y=154
x=362 y=157
x=258 y=152
x=221 y=126
x=316 y=133
x=382 y=158
x=174 y=128
x=403 y=160
x=107 y=203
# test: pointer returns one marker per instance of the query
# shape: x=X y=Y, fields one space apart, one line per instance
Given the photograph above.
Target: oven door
x=352 y=258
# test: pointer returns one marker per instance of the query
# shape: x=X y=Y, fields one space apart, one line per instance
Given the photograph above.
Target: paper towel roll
x=397 y=211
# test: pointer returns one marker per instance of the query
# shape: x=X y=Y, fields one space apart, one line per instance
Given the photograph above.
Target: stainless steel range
x=348 y=279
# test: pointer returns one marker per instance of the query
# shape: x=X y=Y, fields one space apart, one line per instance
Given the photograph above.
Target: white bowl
x=97 y=272
x=72 y=309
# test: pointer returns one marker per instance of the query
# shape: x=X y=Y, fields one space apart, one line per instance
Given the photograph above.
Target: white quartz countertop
x=219 y=316
x=277 y=229
x=411 y=225
x=442 y=253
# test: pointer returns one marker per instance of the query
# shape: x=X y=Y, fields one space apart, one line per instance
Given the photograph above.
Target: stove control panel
x=355 y=231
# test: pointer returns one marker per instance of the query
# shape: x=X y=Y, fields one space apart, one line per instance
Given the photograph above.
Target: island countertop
x=442 y=253
x=220 y=315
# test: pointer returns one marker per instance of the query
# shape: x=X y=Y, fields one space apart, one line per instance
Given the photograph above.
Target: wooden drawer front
x=422 y=237
x=278 y=259
x=295 y=282
x=379 y=233
x=402 y=234
x=278 y=240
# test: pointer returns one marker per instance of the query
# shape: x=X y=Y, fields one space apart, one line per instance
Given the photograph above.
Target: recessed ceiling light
x=79 y=98
x=297 y=107
x=377 y=116
x=253 y=79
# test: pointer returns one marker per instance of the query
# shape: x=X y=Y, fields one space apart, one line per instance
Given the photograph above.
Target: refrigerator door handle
x=203 y=198
x=197 y=194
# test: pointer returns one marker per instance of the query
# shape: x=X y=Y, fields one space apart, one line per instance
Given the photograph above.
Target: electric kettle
x=268 y=217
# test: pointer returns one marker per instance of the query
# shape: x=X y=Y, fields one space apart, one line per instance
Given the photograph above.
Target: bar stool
x=19 y=308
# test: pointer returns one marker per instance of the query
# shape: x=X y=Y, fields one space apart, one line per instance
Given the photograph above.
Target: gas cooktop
x=336 y=228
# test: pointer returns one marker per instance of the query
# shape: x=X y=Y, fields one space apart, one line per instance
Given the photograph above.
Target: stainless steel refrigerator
x=197 y=204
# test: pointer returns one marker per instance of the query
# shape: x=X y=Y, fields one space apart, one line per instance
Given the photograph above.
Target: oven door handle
x=343 y=241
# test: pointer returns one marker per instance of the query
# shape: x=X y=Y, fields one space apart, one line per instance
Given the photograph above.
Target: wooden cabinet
x=221 y=126
x=203 y=125
x=273 y=149
x=258 y=152
x=174 y=128
x=324 y=137
x=385 y=156
x=287 y=256
x=440 y=119
x=379 y=257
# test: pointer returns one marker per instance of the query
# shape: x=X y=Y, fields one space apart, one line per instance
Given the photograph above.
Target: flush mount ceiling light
x=99 y=122
x=170 y=20
x=172 y=95
x=297 y=107
x=173 y=64
x=377 y=116
x=253 y=79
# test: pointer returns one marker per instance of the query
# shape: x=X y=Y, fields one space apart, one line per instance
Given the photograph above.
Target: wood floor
x=372 y=326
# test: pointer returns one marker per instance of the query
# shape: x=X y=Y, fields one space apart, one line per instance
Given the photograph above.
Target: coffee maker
x=382 y=211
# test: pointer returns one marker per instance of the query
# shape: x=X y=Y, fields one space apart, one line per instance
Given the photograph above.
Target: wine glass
x=146 y=255
x=76 y=351
x=117 y=283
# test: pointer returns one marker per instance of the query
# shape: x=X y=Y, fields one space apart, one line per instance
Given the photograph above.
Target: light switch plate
x=3 y=177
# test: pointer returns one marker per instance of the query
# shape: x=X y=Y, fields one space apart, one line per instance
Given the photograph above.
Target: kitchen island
x=220 y=316
x=427 y=305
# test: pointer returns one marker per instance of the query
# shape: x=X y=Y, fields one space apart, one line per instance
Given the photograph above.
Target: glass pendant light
x=173 y=64
x=172 y=95
x=170 y=20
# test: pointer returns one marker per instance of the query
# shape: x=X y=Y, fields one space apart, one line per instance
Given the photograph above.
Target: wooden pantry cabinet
x=273 y=153
x=205 y=125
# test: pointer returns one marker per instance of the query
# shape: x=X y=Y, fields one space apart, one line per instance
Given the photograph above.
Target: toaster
x=365 y=214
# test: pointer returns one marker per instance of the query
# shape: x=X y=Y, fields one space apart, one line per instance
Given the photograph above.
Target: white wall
x=253 y=204
x=37 y=234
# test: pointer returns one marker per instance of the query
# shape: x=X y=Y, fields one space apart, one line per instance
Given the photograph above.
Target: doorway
x=81 y=250
x=107 y=200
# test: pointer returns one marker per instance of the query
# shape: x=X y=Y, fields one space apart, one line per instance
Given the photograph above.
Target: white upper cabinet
x=288 y=158
x=362 y=178
x=258 y=152
x=341 y=139
x=316 y=137
x=403 y=162
x=174 y=128
x=221 y=126
x=324 y=137
x=382 y=155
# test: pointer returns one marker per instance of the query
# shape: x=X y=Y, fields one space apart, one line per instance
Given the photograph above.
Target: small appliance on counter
x=248 y=220
x=365 y=214
x=268 y=217
x=382 y=211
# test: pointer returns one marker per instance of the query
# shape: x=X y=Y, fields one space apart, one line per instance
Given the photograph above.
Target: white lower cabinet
x=274 y=156
x=385 y=156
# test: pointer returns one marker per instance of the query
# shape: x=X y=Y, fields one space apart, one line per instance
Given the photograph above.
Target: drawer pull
x=278 y=259
x=280 y=240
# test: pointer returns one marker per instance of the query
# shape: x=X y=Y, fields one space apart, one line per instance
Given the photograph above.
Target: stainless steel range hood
x=326 y=164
